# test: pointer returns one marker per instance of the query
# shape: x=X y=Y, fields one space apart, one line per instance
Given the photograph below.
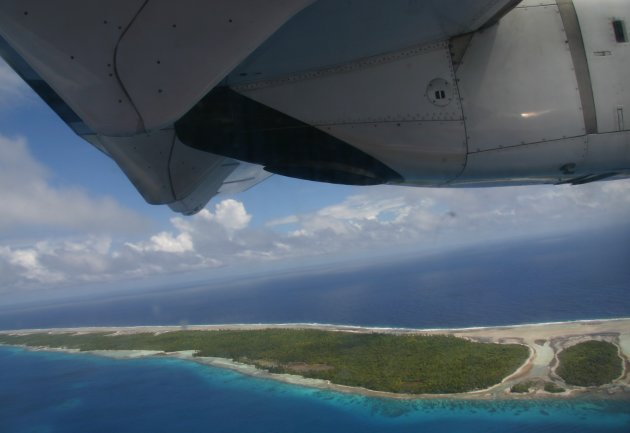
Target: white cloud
x=165 y=242
x=385 y=217
x=291 y=219
x=169 y=244
x=229 y=214
x=28 y=199
x=377 y=219
x=619 y=190
x=27 y=264
x=359 y=208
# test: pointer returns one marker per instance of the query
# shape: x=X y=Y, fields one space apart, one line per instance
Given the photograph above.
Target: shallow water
x=58 y=392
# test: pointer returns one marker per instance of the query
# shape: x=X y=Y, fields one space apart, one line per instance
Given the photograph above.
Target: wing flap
x=165 y=171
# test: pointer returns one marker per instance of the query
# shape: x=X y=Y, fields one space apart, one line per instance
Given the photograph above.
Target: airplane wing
x=121 y=73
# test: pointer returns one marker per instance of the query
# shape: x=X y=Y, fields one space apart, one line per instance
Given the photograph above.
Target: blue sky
x=70 y=218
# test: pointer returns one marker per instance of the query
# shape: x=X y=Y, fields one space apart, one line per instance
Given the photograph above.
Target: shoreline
x=304 y=325
x=544 y=340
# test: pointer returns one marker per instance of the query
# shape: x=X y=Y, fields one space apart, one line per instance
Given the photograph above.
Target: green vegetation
x=592 y=363
x=521 y=387
x=553 y=388
x=383 y=362
x=536 y=384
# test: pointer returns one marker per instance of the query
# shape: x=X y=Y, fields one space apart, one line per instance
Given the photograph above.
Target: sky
x=70 y=219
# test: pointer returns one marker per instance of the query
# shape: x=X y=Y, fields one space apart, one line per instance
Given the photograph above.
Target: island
x=541 y=360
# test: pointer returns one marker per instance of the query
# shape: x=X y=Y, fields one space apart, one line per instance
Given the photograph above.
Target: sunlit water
x=56 y=392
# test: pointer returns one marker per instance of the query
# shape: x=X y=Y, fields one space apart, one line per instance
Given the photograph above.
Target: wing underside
x=121 y=73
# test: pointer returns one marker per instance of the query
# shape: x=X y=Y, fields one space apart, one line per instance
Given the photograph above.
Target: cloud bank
x=29 y=200
x=374 y=219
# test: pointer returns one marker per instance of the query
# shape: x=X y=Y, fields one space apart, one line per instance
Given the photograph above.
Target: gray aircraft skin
x=196 y=98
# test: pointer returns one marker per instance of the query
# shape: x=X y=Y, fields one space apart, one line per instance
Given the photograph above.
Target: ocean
x=528 y=282
x=58 y=392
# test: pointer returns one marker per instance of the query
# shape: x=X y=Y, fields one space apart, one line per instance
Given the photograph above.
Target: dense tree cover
x=592 y=363
x=521 y=387
x=384 y=362
x=553 y=388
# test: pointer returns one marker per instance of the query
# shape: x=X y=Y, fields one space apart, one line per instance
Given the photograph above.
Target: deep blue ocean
x=535 y=281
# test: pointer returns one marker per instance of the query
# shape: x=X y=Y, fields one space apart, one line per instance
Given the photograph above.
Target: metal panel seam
x=344 y=68
x=555 y=140
x=122 y=85
x=580 y=65
x=461 y=107
x=168 y=167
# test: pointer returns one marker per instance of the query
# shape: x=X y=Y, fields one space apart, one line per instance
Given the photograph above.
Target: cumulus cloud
x=28 y=199
x=169 y=244
x=54 y=263
x=165 y=242
x=27 y=263
x=375 y=219
x=229 y=214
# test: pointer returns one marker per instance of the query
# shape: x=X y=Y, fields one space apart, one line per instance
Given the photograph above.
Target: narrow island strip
x=524 y=361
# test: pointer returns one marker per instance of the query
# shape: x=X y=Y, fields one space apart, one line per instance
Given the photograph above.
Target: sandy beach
x=545 y=341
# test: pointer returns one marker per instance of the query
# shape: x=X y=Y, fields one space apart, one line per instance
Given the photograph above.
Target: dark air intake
x=229 y=124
